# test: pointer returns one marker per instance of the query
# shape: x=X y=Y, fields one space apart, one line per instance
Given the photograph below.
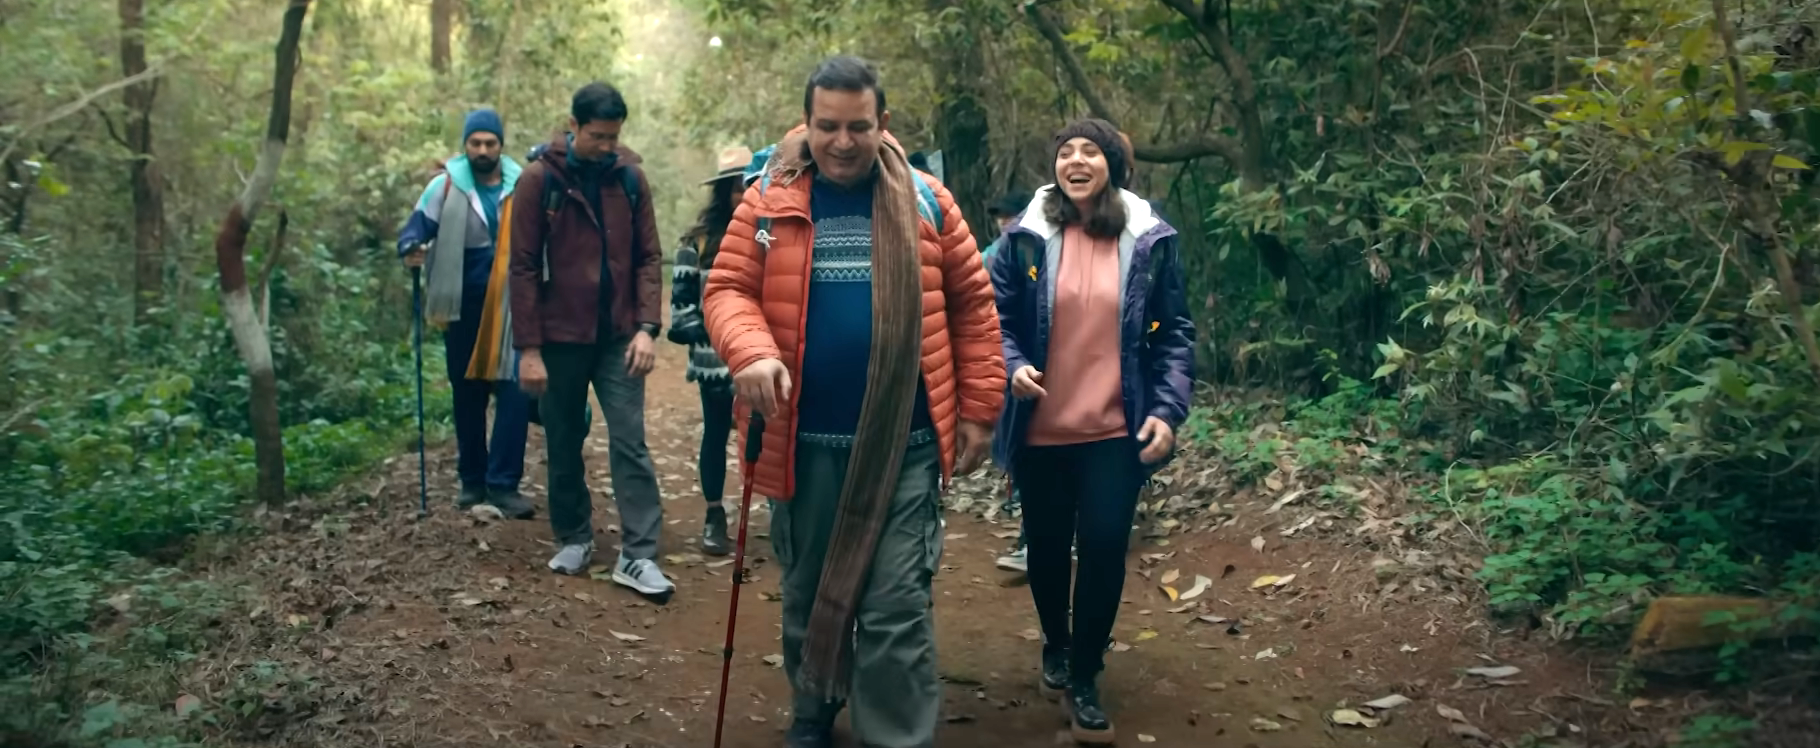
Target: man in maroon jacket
x=586 y=292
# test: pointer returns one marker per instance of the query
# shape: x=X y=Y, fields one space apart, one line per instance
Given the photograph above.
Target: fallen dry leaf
x=774 y=660
x=1464 y=730
x=1200 y=585
x=187 y=705
x=1170 y=591
x=720 y=563
x=1350 y=718
x=1170 y=576
x=1259 y=724
x=1257 y=544
x=1031 y=635
x=1121 y=647
x=1388 y=702
x=624 y=637
x=1272 y=580
x=1181 y=608
x=1494 y=672
x=1145 y=635
x=1211 y=619
x=1142 y=738
x=1452 y=714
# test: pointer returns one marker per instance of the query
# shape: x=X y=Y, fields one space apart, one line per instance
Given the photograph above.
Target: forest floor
x=449 y=631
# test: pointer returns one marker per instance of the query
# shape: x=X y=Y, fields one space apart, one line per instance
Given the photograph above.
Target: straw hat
x=731 y=163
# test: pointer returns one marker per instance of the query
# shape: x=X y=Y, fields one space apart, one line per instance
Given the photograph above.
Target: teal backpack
x=759 y=171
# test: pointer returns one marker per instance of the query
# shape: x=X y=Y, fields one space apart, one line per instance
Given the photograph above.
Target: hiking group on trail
x=831 y=293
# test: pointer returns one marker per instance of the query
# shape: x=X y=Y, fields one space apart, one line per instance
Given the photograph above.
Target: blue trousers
x=500 y=465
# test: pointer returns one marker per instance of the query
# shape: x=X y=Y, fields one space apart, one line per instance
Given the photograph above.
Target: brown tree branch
x=273 y=255
x=1206 y=145
x=1252 y=161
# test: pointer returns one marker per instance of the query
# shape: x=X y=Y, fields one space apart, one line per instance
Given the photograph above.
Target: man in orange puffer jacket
x=834 y=263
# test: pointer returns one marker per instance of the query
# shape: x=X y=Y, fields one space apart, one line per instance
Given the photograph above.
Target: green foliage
x=134 y=447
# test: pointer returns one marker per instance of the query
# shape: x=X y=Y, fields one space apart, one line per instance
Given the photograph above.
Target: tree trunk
x=148 y=189
x=230 y=257
x=962 y=128
x=442 y=18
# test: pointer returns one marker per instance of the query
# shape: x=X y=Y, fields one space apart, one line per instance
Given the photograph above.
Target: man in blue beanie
x=454 y=230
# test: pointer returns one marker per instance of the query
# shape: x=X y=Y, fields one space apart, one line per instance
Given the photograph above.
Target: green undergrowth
x=1565 y=541
x=112 y=479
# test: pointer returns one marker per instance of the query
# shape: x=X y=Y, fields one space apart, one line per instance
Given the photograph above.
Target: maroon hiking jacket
x=566 y=308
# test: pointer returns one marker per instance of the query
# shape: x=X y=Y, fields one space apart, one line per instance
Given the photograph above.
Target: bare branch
x=1206 y=145
x=78 y=105
x=273 y=255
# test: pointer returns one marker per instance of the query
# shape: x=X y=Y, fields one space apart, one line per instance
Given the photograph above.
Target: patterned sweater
x=686 y=328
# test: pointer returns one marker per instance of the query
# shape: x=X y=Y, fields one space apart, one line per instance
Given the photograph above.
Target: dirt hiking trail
x=450 y=631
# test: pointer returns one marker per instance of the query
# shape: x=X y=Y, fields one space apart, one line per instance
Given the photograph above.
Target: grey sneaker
x=643 y=576
x=572 y=559
x=471 y=496
x=1014 y=561
x=511 y=503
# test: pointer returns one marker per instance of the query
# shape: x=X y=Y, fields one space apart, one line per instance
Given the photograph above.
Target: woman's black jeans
x=716 y=424
x=1091 y=488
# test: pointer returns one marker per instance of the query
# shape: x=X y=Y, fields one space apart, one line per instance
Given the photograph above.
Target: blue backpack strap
x=927 y=204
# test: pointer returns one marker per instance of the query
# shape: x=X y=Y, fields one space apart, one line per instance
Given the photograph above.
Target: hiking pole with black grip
x=755 y=437
x=423 y=470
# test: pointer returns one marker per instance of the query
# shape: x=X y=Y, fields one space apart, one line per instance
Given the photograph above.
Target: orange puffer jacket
x=754 y=308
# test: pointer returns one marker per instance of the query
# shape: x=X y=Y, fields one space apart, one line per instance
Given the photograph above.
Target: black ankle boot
x=1091 y=726
x=1055 y=671
x=714 y=540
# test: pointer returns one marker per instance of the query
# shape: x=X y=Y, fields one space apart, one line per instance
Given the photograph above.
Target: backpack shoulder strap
x=926 y=202
x=628 y=181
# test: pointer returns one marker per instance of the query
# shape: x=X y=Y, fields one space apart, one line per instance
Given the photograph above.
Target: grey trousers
x=572 y=368
x=895 y=693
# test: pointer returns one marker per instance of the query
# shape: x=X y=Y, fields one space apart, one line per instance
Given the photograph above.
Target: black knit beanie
x=1104 y=135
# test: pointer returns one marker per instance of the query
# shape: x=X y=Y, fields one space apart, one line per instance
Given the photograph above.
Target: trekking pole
x=755 y=436
x=423 y=471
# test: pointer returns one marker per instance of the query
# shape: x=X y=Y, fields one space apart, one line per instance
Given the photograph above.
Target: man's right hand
x=765 y=384
x=1026 y=383
x=415 y=258
x=532 y=378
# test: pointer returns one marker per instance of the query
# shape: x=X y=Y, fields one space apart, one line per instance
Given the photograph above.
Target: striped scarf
x=883 y=433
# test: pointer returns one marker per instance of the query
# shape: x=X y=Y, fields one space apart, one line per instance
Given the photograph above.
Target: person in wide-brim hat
x=694 y=257
x=732 y=162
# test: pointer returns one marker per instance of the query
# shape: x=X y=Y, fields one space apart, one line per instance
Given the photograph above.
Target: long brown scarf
x=883 y=433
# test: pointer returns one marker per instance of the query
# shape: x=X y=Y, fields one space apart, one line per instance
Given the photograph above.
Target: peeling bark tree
x=230 y=256
x=148 y=189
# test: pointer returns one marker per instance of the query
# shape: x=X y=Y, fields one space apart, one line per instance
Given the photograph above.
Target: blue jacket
x=1156 y=350
x=421 y=227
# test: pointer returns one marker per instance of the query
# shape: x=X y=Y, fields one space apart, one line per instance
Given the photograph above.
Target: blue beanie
x=483 y=120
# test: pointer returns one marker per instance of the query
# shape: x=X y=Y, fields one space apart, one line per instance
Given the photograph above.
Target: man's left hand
x=971 y=443
x=641 y=355
x=1158 y=440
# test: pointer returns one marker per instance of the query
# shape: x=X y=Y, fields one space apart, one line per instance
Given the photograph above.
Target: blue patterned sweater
x=837 y=335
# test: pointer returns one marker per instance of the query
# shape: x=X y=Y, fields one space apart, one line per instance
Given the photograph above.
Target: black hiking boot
x=805 y=734
x=1089 y=722
x=1055 y=672
x=511 y=503
x=714 y=540
x=471 y=496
